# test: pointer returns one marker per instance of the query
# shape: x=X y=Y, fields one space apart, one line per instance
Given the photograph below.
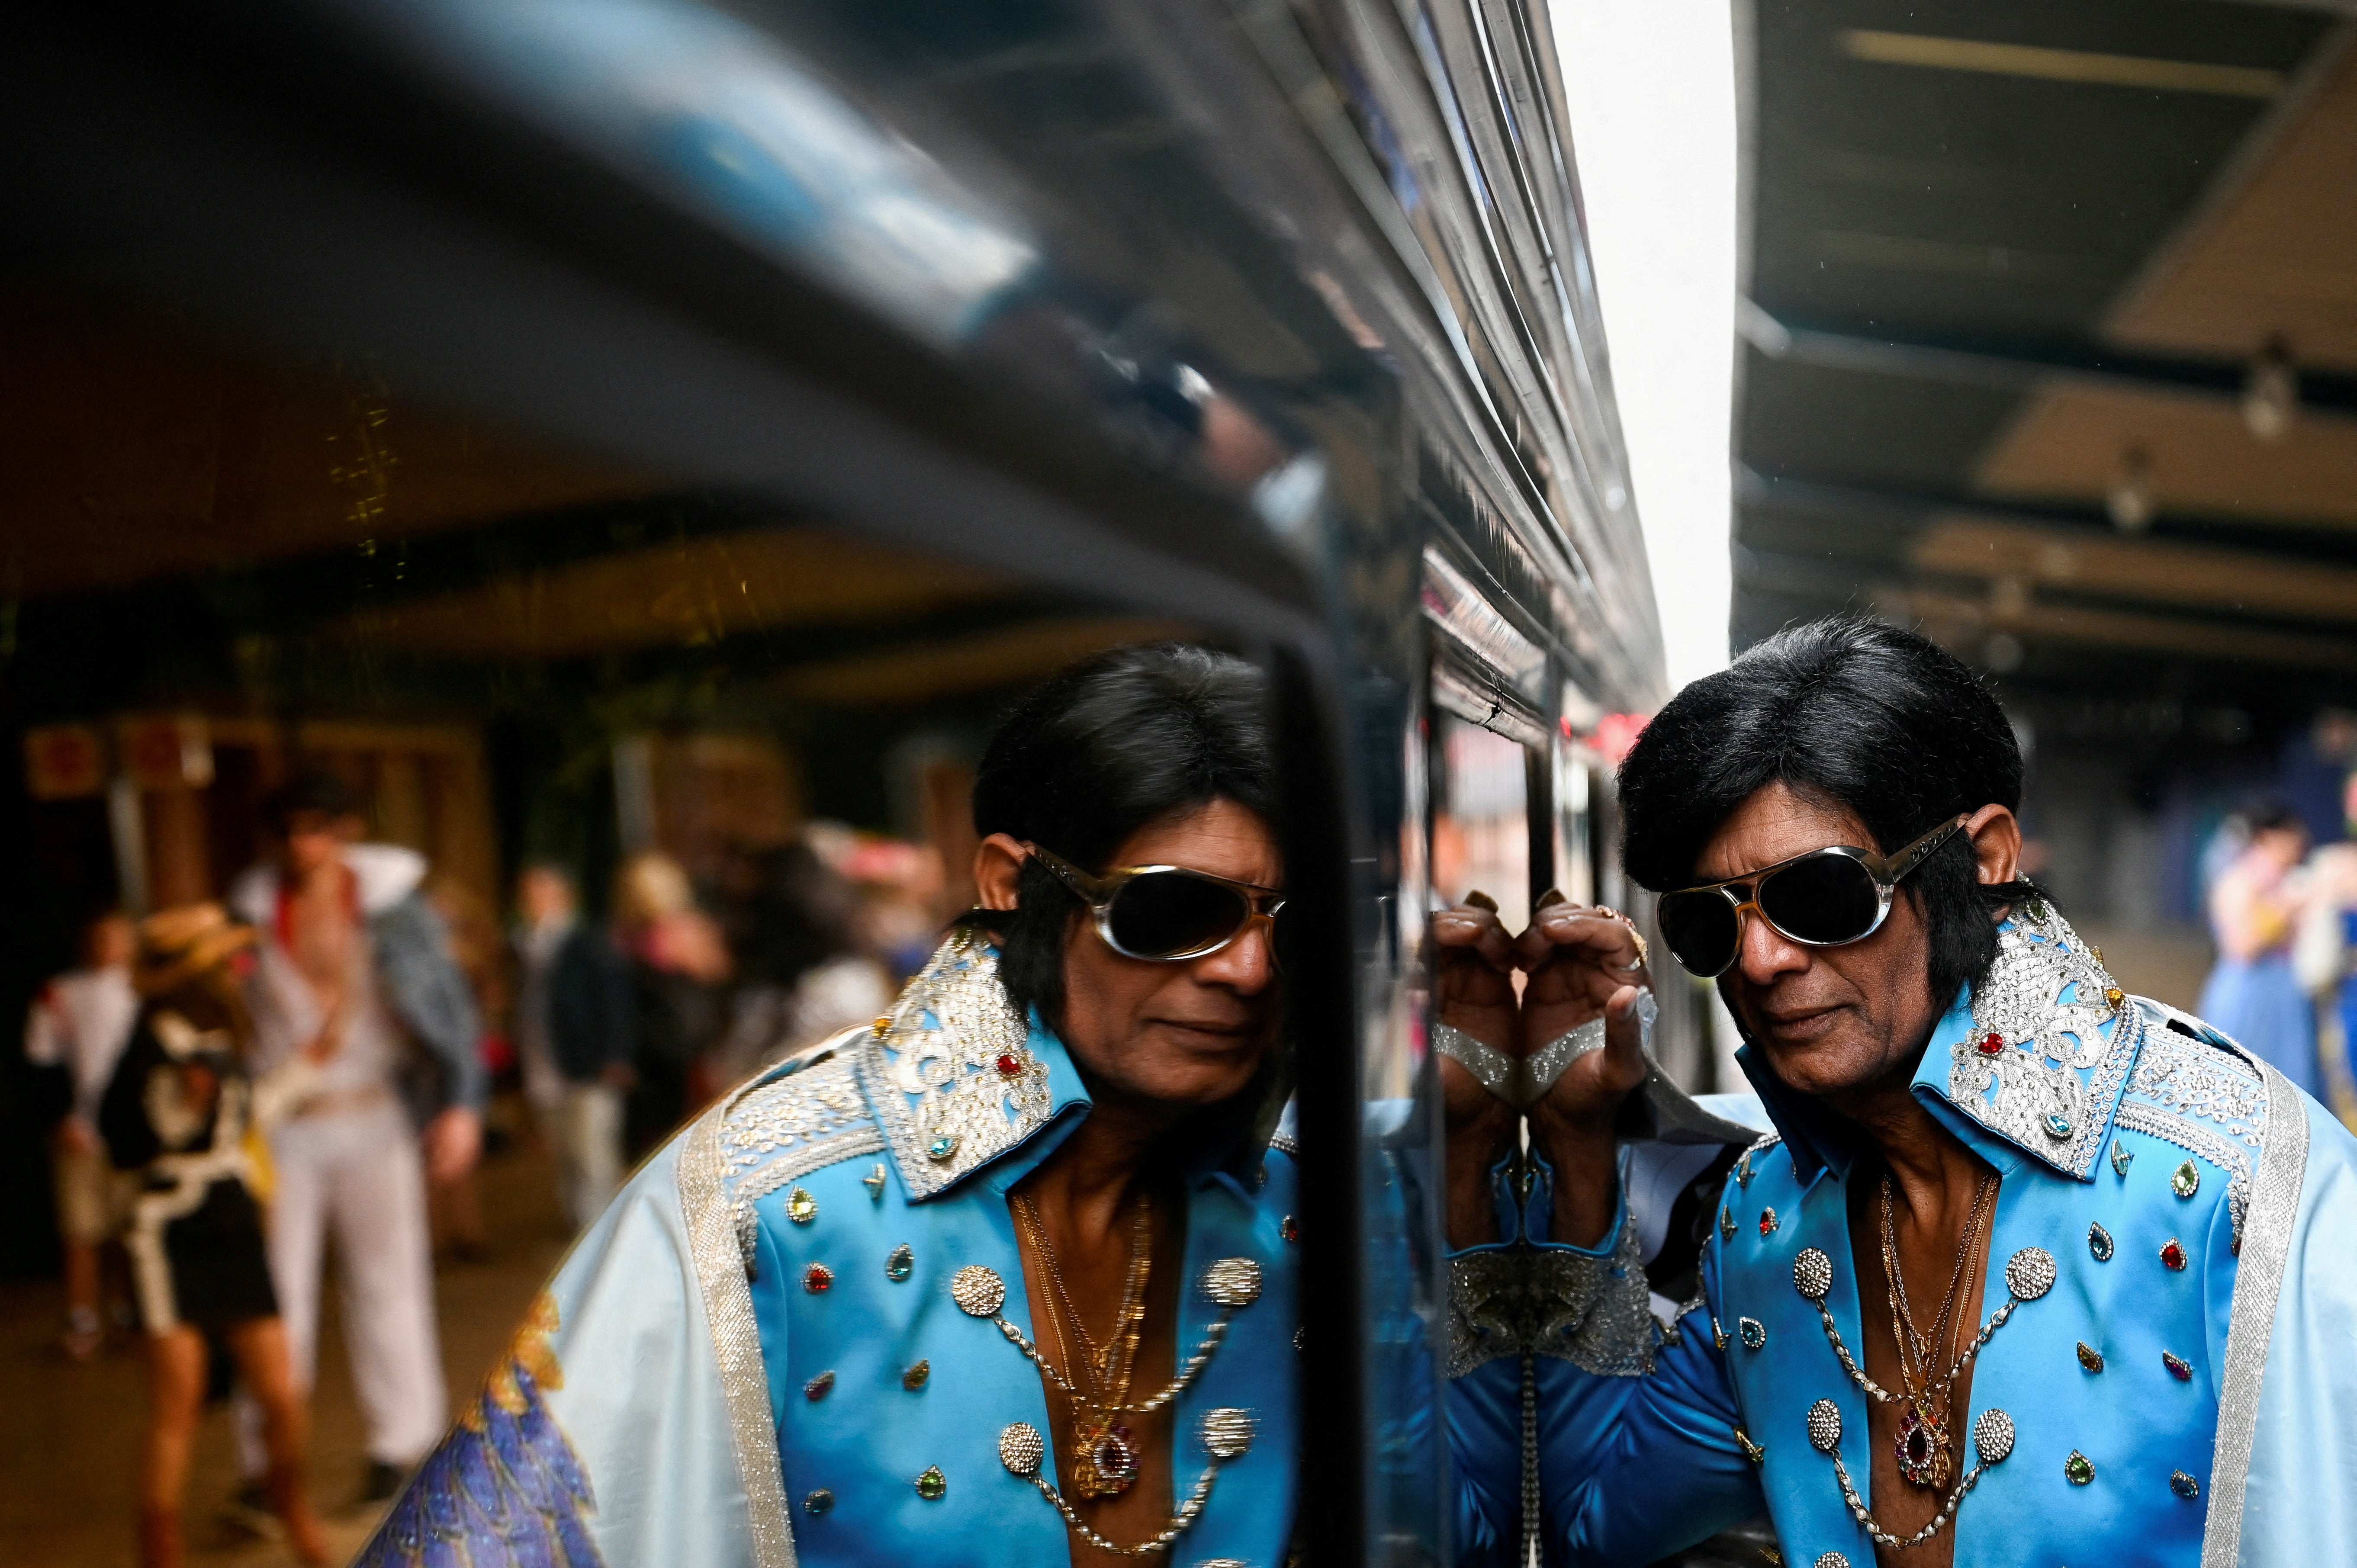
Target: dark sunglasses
x=1821 y=899
x=1167 y=913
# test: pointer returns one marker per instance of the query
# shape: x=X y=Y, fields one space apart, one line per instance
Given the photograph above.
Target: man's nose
x=1764 y=952
x=1248 y=963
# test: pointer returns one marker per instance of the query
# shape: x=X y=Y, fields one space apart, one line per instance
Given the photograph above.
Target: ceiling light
x=2271 y=394
x=2130 y=498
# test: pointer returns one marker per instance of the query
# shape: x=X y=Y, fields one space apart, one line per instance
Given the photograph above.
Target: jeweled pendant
x=1923 y=1448
x=1104 y=1463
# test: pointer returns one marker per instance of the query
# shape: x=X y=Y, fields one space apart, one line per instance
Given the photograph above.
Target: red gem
x=2173 y=1254
x=1766 y=1221
x=817 y=1278
x=1008 y=1066
x=1991 y=1044
x=1288 y=1229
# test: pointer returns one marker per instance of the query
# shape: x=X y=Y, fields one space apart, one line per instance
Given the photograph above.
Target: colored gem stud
x=978 y=1291
x=1993 y=1435
x=942 y=1147
x=2090 y=1358
x=818 y=1388
x=2099 y=1242
x=1227 y=1433
x=1824 y=1426
x=1990 y=1044
x=1752 y=1332
x=2173 y=1254
x=883 y=1027
x=2179 y=1367
x=1288 y=1228
x=916 y=1377
x=2185 y=1180
x=2055 y=1126
x=2184 y=1486
x=900 y=1263
x=2078 y=1469
x=2029 y=1273
x=874 y=1182
x=801 y=1206
x=1718 y=1335
x=1751 y=1451
x=1020 y=1449
x=932 y=1486
x=1766 y=1221
x=1233 y=1282
x=1727 y=1224
x=1813 y=1273
x=1009 y=1065
x=1743 y=1170
x=1831 y=1560
x=818 y=1502
x=2116 y=997
x=2121 y=1156
x=818 y=1279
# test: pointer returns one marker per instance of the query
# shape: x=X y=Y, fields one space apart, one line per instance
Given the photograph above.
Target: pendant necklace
x=1104 y=1461
x=1924 y=1443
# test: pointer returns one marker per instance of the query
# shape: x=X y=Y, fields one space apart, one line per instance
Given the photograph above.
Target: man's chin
x=1824 y=1066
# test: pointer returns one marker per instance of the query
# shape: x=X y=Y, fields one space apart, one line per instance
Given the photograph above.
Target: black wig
x=1853 y=714
x=1100 y=751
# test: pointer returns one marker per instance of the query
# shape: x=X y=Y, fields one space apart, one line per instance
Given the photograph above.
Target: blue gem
x=2099 y=1242
x=898 y=1265
x=2120 y=1157
x=942 y=1147
x=2184 y=1486
x=1751 y=1331
x=2058 y=1126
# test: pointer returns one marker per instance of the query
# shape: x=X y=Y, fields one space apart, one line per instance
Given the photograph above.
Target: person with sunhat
x=181 y=1111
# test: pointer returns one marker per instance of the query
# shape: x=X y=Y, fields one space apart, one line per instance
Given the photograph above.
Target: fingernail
x=1552 y=896
x=1481 y=900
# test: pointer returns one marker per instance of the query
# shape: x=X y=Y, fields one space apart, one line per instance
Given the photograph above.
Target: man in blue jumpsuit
x=2024 y=1270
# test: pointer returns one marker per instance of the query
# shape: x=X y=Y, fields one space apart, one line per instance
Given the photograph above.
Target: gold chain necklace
x=1924 y=1442
x=1104 y=1452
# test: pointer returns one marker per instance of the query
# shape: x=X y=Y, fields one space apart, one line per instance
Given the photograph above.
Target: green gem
x=916 y=1377
x=819 y=1501
x=2078 y=1469
x=932 y=1486
x=801 y=1206
x=900 y=1263
x=2090 y=1358
x=874 y=1182
x=2185 y=1180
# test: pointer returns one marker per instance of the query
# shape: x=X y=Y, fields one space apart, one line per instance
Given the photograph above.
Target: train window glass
x=741 y=735
x=1481 y=819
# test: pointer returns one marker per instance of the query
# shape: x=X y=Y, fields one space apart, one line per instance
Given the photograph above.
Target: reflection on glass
x=1480 y=821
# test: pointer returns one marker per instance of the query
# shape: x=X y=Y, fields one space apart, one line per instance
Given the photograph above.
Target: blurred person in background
x=2324 y=956
x=182 y=1112
x=455 y=1207
x=678 y=963
x=801 y=974
x=80 y=1024
x=2252 y=995
x=354 y=968
x=573 y=1024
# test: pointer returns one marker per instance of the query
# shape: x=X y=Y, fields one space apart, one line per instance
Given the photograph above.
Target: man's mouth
x=1798 y=1025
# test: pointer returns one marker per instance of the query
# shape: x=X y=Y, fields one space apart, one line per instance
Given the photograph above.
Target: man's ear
x=997 y=867
x=1996 y=834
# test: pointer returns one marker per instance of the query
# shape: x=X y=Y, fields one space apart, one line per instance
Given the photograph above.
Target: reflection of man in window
x=1004 y=1276
x=2028 y=1270
x=354 y=965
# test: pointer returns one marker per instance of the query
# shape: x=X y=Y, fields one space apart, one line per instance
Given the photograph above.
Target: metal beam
x=2285 y=538
x=2011 y=364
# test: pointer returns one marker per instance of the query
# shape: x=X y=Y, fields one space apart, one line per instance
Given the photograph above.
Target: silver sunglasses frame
x=1888 y=872
x=1099 y=892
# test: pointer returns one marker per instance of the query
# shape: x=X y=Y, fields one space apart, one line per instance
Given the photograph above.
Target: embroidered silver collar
x=950 y=1072
x=2037 y=1066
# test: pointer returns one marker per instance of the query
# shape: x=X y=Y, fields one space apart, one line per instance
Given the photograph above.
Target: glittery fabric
x=787 y=1124
x=932 y=1076
x=2202 y=1099
x=1590 y=1309
x=2267 y=1246
x=2057 y=1068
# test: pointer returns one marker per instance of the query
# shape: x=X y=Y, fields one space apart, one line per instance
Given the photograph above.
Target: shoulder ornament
x=950 y=1071
x=786 y=1124
x=2196 y=1089
x=2037 y=1066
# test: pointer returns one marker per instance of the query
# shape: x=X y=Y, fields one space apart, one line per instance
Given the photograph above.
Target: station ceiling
x=2016 y=270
